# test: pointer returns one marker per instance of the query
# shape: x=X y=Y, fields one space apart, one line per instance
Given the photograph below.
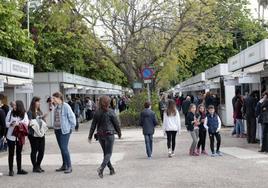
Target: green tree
x=65 y=43
x=14 y=42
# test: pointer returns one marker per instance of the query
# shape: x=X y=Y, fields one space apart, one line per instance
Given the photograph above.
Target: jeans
x=149 y=144
x=218 y=138
x=63 y=142
x=202 y=139
x=239 y=126
x=260 y=132
x=251 y=129
x=107 y=143
x=171 y=139
x=11 y=152
x=37 y=150
x=194 y=135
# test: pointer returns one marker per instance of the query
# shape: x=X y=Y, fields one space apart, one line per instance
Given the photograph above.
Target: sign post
x=147 y=74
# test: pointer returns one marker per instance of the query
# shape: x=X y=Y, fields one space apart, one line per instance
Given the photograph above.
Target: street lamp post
x=28 y=18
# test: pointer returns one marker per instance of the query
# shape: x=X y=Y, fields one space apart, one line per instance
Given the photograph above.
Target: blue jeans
x=63 y=142
x=149 y=144
x=239 y=127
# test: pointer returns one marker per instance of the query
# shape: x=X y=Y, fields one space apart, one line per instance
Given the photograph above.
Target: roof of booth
x=63 y=77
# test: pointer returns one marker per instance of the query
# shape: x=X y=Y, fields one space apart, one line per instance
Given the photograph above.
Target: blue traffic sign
x=147 y=73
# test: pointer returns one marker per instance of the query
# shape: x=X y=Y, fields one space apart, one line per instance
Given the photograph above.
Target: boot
x=100 y=172
x=112 y=171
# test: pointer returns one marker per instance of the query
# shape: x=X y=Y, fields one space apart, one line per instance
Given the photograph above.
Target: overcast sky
x=254 y=9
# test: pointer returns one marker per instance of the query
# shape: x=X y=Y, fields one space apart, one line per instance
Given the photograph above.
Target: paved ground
x=241 y=165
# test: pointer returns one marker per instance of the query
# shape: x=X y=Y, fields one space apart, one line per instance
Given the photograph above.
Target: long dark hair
x=32 y=106
x=20 y=110
x=171 y=108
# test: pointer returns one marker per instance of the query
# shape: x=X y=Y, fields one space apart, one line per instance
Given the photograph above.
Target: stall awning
x=18 y=81
x=255 y=68
x=236 y=74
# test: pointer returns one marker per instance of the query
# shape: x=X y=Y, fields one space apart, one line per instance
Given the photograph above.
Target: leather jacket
x=106 y=123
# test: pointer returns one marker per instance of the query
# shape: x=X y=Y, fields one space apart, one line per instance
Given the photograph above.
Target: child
x=192 y=124
x=148 y=122
x=213 y=124
x=202 y=130
x=172 y=125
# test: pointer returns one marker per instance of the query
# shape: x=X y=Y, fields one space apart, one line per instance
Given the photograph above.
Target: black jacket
x=189 y=119
x=148 y=121
x=249 y=107
x=105 y=122
x=2 y=123
x=185 y=106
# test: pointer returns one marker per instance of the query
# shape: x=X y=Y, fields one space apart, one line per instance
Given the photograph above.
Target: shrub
x=136 y=106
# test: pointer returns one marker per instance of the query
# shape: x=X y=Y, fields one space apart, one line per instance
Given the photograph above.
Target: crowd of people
x=201 y=116
x=17 y=123
x=254 y=111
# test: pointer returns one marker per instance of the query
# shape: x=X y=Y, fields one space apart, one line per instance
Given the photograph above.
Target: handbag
x=39 y=127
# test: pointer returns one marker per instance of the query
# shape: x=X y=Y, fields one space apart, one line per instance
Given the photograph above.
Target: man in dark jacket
x=186 y=105
x=249 y=111
x=162 y=106
x=148 y=121
x=237 y=95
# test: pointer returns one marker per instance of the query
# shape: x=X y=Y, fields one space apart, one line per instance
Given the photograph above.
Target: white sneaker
x=172 y=153
x=1 y=174
x=169 y=153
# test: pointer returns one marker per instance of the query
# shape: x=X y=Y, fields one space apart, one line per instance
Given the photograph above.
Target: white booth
x=250 y=69
x=215 y=77
x=16 y=81
x=193 y=85
x=47 y=83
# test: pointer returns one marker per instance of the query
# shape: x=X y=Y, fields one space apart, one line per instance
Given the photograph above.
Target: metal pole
x=148 y=90
x=28 y=18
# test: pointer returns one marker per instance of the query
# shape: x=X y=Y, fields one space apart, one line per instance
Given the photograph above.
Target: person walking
x=172 y=125
x=249 y=110
x=148 y=122
x=17 y=123
x=234 y=99
x=185 y=105
x=37 y=141
x=263 y=119
x=213 y=124
x=239 y=117
x=192 y=124
x=162 y=107
x=202 y=130
x=258 y=112
x=2 y=130
x=107 y=124
x=64 y=123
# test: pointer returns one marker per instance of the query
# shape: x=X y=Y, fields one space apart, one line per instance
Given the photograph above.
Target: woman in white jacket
x=171 y=125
